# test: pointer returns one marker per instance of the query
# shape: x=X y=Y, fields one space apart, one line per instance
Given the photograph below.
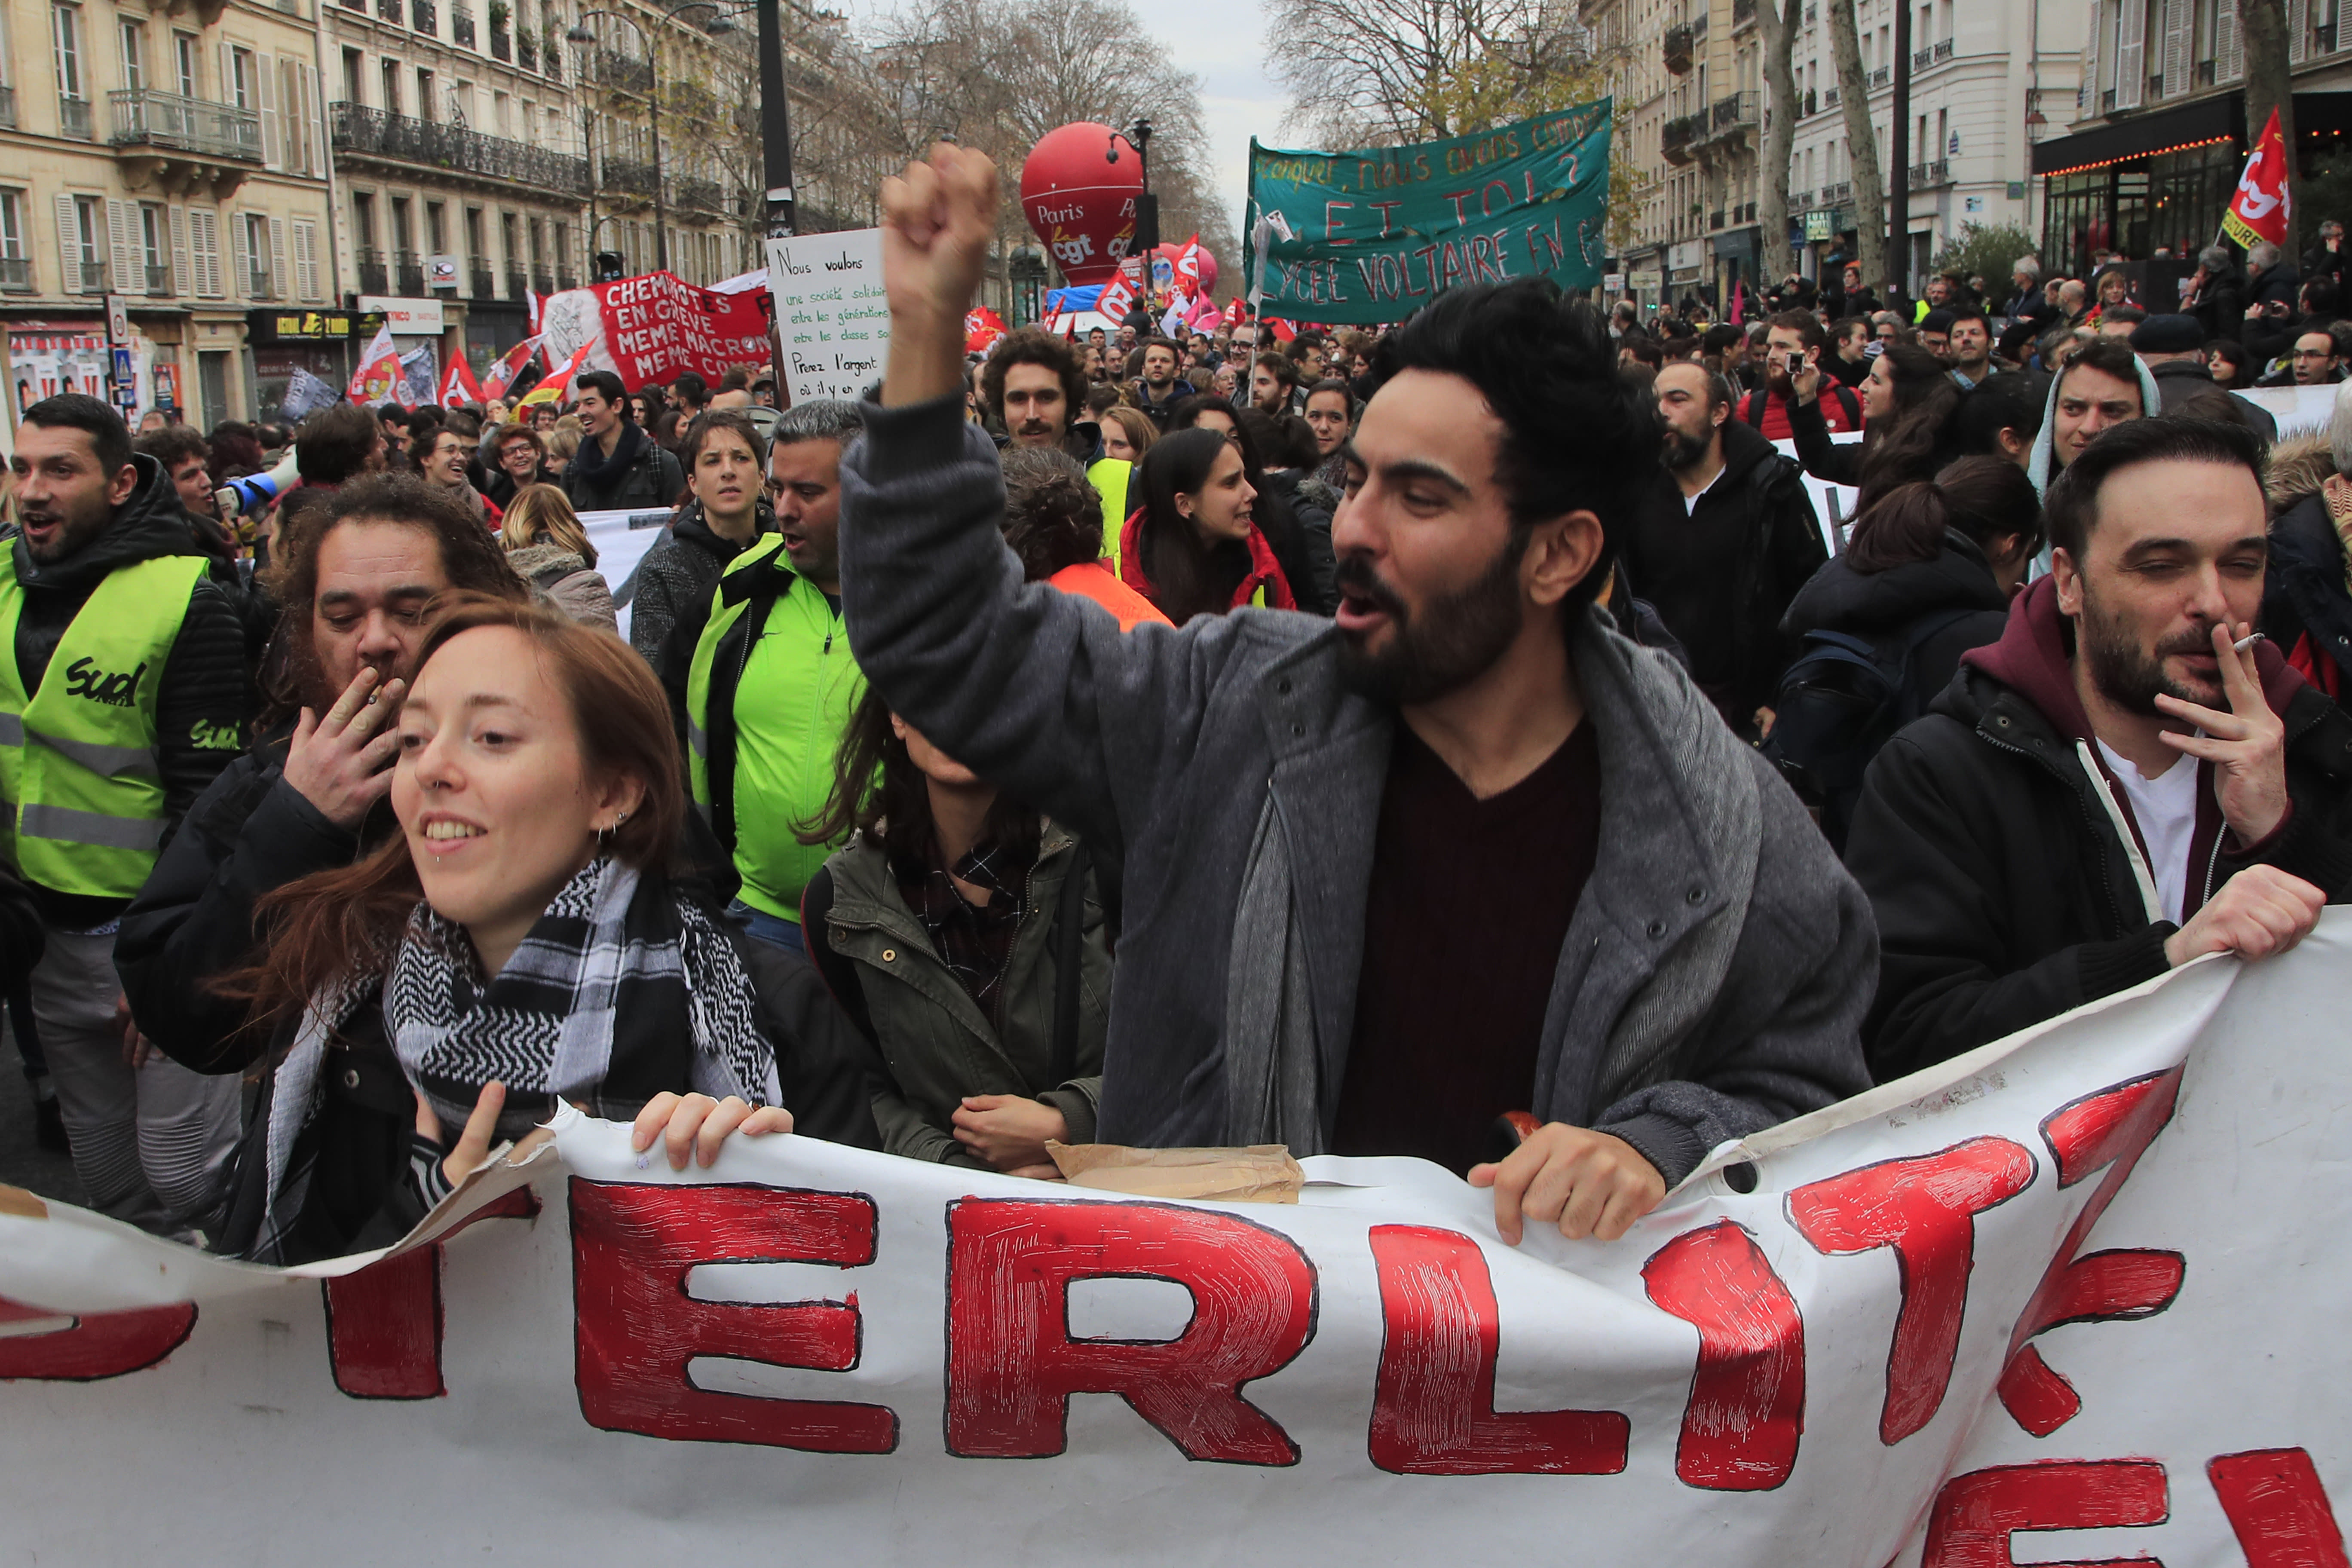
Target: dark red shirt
x=1469 y=903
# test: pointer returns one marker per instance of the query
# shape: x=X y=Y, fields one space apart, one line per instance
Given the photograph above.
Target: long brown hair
x=879 y=791
x=1189 y=575
x=347 y=921
x=1905 y=447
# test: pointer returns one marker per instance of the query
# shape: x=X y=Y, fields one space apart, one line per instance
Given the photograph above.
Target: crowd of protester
x=1465 y=739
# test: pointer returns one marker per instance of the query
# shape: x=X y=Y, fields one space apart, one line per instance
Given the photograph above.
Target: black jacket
x=674 y=578
x=204 y=691
x=1883 y=605
x=2303 y=592
x=192 y=923
x=2220 y=306
x=2003 y=892
x=1780 y=550
x=652 y=480
x=2180 y=377
x=21 y=937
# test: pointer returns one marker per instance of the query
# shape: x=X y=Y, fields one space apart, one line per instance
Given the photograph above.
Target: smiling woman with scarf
x=521 y=940
x=618 y=466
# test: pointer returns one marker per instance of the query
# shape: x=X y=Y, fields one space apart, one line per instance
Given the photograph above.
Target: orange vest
x=1093 y=580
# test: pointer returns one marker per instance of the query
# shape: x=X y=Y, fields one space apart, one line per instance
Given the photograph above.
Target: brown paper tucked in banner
x=1262 y=1173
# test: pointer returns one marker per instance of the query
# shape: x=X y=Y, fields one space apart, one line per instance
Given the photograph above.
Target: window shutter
x=306 y=259
x=2229 y=48
x=181 y=283
x=237 y=234
x=314 y=133
x=118 y=248
x=69 y=245
x=2298 y=33
x=208 y=264
x=2176 y=14
x=2131 y=70
x=273 y=154
x=278 y=281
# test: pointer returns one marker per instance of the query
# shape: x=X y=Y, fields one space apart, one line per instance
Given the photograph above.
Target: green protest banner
x=1370 y=235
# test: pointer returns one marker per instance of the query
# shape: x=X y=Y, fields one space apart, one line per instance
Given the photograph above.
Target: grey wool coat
x=1714 y=976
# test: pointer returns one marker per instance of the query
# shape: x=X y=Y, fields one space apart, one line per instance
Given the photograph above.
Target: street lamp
x=580 y=37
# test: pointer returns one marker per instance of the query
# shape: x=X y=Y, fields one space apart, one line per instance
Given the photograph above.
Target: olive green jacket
x=935 y=1042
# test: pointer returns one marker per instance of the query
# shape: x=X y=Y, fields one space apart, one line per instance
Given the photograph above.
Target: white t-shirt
x=2165 y=807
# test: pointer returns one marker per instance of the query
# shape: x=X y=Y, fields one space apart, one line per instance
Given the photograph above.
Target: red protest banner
x=656 y=327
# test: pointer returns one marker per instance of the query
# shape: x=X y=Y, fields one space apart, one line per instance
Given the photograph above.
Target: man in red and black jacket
x=1795 y=338
x=2112 y=789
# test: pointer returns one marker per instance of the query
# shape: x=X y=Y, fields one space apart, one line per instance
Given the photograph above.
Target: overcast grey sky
x=1221 y=42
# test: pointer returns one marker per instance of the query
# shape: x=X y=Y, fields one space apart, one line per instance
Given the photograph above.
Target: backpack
x=1838 y=703
x=1752 y=406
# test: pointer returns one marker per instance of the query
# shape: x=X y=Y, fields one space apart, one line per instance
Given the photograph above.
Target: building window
x=87 y=247
x=154 y=248
x=68 y=36
x=363 y=219
x=256 y=251
x=423 y=93
x=244 y=84
x=391 y=85
x=134 y=56
x=16 y=267
x=184 y=57
x=354 y=76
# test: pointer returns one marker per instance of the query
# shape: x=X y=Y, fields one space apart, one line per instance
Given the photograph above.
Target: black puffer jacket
x=2304 y=592
x=674 y=578
x=205 y=691
x=2004 y=893
x=192 y=923
x=1883 y=605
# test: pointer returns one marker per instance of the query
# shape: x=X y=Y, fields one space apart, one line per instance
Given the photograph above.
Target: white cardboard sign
x=832 y=317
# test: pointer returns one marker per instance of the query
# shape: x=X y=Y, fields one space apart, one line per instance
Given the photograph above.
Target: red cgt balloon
x=1078 y=189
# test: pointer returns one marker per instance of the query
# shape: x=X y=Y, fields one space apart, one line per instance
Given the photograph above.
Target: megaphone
x=255 y=491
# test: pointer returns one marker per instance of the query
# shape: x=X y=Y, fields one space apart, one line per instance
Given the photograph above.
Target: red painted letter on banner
x=1434 y=1410
x=2278 y=1509
x=1976 y=1513
x=1925 y=1208
x=1746 y=1405
x=1012 y=1365
x=632 y=1246
x=92 y=1345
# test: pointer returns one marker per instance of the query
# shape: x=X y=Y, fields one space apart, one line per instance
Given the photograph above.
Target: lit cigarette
x=2242 y=644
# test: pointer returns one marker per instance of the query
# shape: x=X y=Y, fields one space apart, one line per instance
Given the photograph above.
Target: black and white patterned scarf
x=620 y=991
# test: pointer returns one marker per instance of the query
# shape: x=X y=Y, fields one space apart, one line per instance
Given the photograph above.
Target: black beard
x=2124 y=673
x=1464 y=633
x=1683 y=452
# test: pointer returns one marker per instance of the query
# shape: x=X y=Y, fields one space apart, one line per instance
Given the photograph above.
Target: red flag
x=1235 y=312
x=1118 y=297
x=557 y=388
x=457 y=383
x=535 y=306
x=1283 y=331
x=378 y=376
x=2259 y=210
x=1052 y=319
x=509 y=369
x=1188 y=268
x=981 y=327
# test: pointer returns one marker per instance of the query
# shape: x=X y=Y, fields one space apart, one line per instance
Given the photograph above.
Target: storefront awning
x=2221 y=117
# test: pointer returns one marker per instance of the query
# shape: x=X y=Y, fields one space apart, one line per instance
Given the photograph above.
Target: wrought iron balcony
x=485 y=283
x=1831 y=195
x=408 y=272
x=1714 y=218
x=1926 y=174
x=1943 y=51
x=1678 y=49
x=699 y=195
x=1675 y=140
x=1829 y=98
x=632 y=179
x=359 y=131
x=622 y=72
x=371 y=274
x=146 y=119
x=1810 y=105
x=543 y=282
x=518 y=285
x=73 y=117
x=1731 y=113
x=1799 y=201
x=565 y=280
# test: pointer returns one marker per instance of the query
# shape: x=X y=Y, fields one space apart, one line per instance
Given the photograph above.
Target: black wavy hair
x=2072 y=503
x=1546 y=366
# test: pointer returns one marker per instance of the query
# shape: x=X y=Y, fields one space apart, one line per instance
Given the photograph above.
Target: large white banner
x=2078 y=1297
